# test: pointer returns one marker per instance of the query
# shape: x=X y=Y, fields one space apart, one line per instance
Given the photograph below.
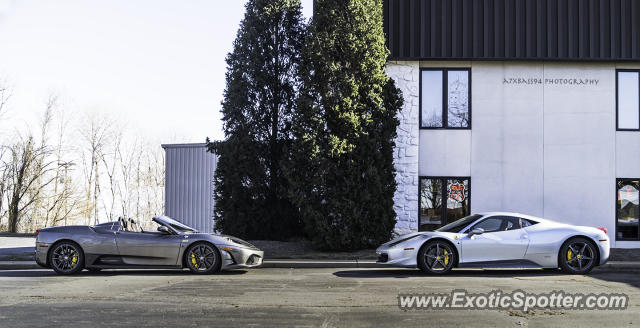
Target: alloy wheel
x=437 y=257
x=580 y=255
x=202 y=258
x=66 y=258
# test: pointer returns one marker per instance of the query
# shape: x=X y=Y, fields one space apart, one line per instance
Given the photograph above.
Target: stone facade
x=406 y=76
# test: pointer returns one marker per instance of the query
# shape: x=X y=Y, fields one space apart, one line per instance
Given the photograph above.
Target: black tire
x=436 y=257
x=203 y=258
x=578 y=256
x=66 y=257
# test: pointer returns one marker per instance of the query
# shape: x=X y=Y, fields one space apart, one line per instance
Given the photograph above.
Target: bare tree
x=127 y=160
x=4 y=174
x=27 y=167
x=60 y=202
x=110 y=160
x=51 y=177
x=96 y=132
x=5 y=94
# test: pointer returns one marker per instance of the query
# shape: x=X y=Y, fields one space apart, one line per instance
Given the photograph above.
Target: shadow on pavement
x=627 y=277
x=109 y=273
x=407 y=273
x=17 y=254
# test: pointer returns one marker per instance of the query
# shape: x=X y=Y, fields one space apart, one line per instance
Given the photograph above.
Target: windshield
x=175 y=224
x=458 y=225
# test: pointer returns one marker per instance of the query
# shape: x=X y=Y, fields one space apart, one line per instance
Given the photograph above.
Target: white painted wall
x=540 y=149
x=579 y=147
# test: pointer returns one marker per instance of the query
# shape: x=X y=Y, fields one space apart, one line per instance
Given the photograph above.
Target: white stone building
x=524 y=107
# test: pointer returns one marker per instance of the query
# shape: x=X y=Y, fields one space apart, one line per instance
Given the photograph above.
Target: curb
x=333 y=264
x=19 y=265
x=283 y=264
x=619 y=266
x=303 y=264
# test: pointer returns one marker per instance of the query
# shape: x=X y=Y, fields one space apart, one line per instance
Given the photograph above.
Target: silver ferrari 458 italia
x=500 y=240
x=123 y=244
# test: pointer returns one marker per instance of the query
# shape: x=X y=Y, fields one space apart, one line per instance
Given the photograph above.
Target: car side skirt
x=506 y=264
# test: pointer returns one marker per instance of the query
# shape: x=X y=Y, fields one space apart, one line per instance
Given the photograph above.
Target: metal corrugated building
x=189 y=184
x=576 y=30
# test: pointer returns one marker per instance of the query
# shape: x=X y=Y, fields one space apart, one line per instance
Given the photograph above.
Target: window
x=499 y=223
x=627 y=209
x=628 y=100
x=445 y=98
x=526 y=223
x=489 y=225
x=442 y=200
x=511 y=223
x=457 y=226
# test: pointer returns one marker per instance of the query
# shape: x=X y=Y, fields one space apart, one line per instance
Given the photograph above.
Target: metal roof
x=590 y=30
x=184 y=145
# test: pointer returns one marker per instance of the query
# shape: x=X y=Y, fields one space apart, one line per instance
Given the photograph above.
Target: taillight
x=37 y=232
x=602 y=228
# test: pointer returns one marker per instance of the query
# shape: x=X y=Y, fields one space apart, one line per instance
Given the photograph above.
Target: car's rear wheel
x=436 y=257
x=577 y=256
x=203 y=258
x=66 y=257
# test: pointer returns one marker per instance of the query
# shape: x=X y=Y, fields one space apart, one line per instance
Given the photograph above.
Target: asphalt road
x=292 y=297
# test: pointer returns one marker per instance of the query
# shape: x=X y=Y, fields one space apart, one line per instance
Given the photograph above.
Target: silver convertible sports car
x=500 y=240
x=123 y=244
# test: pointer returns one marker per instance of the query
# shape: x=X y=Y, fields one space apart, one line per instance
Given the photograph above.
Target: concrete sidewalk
x=12 y=242
x=612 y=266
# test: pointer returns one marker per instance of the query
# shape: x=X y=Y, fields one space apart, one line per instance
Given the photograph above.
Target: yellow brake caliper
x=193 y=260
x=446 y=257
x=74 y=259
x=569 y=253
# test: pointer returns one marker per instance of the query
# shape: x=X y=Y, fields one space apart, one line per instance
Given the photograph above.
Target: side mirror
x=164 y=229
x=476 y=231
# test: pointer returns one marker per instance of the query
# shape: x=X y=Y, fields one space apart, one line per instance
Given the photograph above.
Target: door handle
x=524 y=237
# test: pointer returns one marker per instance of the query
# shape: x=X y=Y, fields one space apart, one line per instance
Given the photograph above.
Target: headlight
x=240 y=242
x=402 y=240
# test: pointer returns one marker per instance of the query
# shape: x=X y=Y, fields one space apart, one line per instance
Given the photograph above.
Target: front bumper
x=234 y=257
x=397 y=256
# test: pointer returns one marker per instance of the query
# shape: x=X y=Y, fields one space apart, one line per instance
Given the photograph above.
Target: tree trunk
x=13 y=213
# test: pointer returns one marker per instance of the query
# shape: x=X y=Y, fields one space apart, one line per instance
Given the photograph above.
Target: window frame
x=443 y=179
x=617 y=98
x=445 y=94
x=616 y=211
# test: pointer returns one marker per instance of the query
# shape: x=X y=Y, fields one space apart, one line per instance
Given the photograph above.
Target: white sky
x=156 y=64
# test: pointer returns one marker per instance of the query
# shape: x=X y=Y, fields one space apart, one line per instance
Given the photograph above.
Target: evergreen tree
x=341 y=172
x=259 y=100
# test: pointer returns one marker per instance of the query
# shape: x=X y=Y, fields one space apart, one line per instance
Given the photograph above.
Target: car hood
x=425 y=234
x=224 y=239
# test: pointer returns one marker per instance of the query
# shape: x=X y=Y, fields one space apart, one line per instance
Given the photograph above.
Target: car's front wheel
x=203 y=258
x=577 y=256
x=66 y=257
x=436 y=257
